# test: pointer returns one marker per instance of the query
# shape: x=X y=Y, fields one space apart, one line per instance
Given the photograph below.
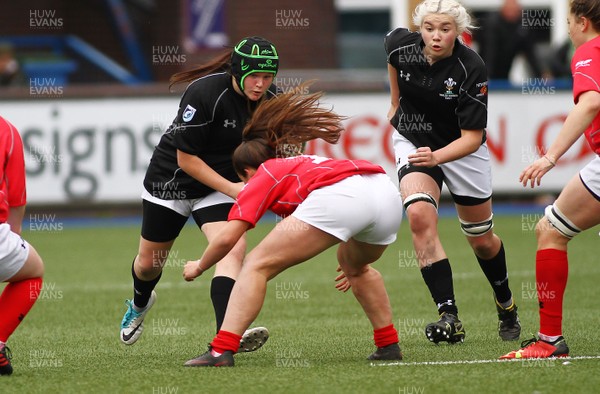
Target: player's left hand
x=192 y=270
x=343 y=283
x=423 y=157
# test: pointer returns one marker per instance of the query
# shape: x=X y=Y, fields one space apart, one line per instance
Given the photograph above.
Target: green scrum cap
x=253 y=55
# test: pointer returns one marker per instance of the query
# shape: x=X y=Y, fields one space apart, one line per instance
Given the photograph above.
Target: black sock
x=438 y=278
x=142 y=289
x=220 y=290
x=496 y=273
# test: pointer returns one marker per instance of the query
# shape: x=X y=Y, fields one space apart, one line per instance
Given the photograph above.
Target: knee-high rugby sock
x=15 y=302
x=142 y=289
x=438 y=278
x=496 y=273
x=551 y=272
x=220 y=290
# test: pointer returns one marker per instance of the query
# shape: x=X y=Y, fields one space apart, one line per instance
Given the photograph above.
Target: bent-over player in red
x=20 y=264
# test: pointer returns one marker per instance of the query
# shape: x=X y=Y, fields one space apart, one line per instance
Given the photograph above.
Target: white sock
x=548 y=338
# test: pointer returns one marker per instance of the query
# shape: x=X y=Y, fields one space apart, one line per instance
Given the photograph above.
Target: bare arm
x=15 y=218
x=217 y=249
x=580 y=117
x=469 y=142
x=578 y=120
x=199 y=170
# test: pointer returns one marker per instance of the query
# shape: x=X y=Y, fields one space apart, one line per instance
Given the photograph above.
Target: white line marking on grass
x=463 y=362
x=96 y=287
x=476 y=274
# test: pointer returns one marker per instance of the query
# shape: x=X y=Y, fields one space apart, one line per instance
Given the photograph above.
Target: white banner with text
x=97 y=150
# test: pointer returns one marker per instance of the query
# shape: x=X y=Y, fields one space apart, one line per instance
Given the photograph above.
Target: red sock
x=551 y=272
x=385 y=336
x=226 y=340
x=15 y=302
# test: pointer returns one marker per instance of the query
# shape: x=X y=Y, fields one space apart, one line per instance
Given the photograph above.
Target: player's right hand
x=192 y=270
x=534 y=172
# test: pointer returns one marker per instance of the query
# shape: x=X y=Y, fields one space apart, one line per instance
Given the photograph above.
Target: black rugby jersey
x=436 y=101
x=208 y=124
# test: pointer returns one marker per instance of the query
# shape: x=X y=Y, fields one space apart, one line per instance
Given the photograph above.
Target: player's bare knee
x=421 y=206
x=350 y=268
x=36 y=263
x=484 y=246
x=542 y=228
x=262 y=264
x=355 y=271
x=33 y=268
x=149 y=264
x=421 y=218
x=38 y=271
x=548 y=236
x=237 y=253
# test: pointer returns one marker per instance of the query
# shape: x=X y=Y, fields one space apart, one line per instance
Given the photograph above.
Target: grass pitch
x=320 y=338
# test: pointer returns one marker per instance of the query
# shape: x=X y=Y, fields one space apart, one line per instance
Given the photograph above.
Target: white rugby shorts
x=590 y=176
x=367 y=208
x=13 y=252
x=186 y=207
x=469 y=176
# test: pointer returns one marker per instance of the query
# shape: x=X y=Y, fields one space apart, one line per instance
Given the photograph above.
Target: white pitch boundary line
x=463 y=362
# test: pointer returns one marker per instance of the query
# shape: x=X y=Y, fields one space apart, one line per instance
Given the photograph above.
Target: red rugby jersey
x=282 y=184
x=12 y=169
x=585 y=67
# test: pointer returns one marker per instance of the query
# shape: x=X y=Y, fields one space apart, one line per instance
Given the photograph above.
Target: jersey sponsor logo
x=583 y=63
x=449 y=94
x=227 y=123
x=188 y=113
x=405 y=76
x=483 y=88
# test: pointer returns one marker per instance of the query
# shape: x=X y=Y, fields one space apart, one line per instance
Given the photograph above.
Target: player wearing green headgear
x=191 y=174
x=253 y=55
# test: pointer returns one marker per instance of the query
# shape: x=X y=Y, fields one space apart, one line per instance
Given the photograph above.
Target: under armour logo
x=228 y=123
x=405 y=76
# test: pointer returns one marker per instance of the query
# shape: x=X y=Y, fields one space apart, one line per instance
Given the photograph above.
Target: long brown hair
x=287 y=120
x=218 y=64
x=589 y=9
